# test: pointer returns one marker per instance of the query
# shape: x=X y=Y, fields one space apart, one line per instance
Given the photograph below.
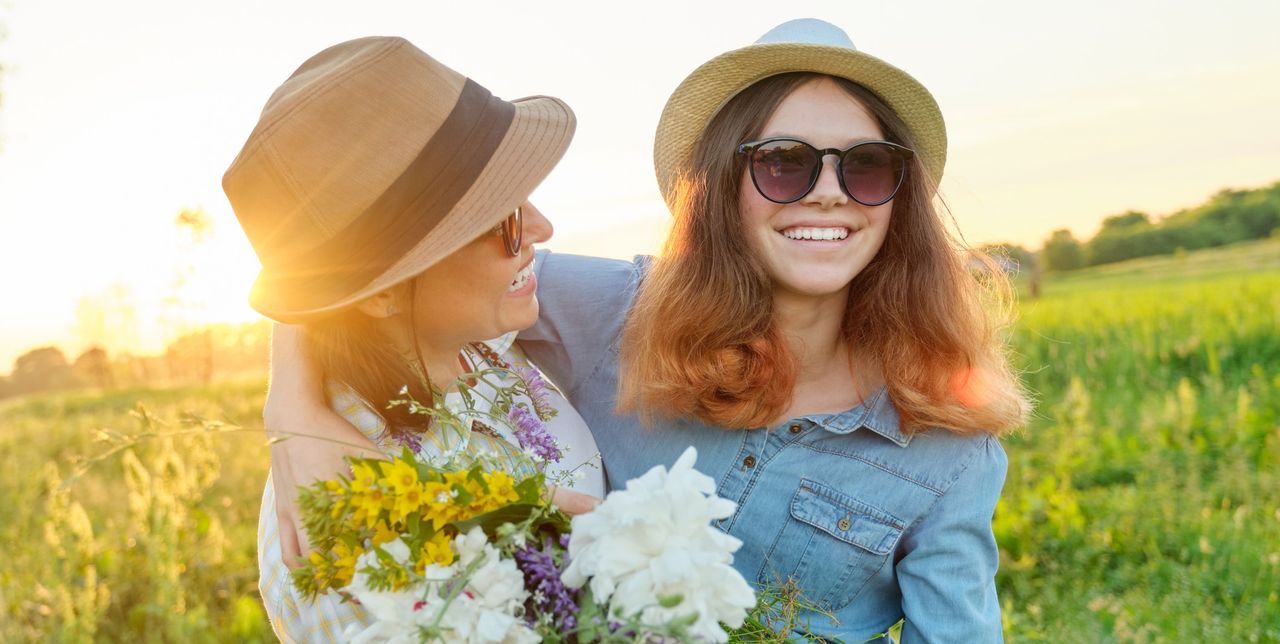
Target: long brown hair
x=350 y=348
x=701 y=340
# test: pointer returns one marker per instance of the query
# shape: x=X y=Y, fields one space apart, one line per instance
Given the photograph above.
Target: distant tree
x=1126 y=221
x=109 y=318
x=93 y=367
x=1062 y=252
x=42 y=369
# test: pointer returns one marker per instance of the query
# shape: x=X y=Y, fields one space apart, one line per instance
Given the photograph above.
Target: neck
x=811 y=326
x=439 y=355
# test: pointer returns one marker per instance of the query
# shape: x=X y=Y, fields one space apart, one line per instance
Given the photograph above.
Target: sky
x=118 y=115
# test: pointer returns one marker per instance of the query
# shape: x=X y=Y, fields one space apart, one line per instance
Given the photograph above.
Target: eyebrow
x=853 y=142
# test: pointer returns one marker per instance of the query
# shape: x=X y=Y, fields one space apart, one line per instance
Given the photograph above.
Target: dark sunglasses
x=785 y=170
x=512 y=231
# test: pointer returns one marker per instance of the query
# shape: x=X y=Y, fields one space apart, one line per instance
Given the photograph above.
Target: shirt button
x=796 y=429
x=749 y=462
x=843 y=524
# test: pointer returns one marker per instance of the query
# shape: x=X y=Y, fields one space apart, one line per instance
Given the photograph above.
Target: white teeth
x=822 y=234
x=521 y=278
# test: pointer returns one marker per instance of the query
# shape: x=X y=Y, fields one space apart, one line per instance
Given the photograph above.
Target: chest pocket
x=831 y=545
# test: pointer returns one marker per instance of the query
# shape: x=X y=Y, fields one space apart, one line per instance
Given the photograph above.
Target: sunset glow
x=117 y=116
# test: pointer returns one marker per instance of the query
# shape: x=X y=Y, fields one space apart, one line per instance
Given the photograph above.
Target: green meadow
x=1142 y=503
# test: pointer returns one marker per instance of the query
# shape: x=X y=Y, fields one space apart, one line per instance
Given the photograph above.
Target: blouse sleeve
x=583 y=305
x=948 y=574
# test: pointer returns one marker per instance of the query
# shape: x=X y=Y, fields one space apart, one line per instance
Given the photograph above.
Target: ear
x=380 y=306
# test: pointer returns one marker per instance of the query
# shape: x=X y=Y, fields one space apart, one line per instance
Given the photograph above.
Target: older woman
x=387 y=198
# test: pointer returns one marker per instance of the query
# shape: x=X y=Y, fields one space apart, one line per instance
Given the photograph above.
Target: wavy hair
x=701 y=339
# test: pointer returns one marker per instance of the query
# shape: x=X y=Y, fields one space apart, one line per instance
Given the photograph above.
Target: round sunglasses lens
x=872 y=172
x=513 y=231
x=783 y=170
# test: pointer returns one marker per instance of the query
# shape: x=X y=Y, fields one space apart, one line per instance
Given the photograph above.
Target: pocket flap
x=846 y=518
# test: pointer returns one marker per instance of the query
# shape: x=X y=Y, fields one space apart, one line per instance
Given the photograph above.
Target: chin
x=522 y=317
x=814 y=285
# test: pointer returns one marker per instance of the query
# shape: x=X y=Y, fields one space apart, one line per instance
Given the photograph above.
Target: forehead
x=822 y=113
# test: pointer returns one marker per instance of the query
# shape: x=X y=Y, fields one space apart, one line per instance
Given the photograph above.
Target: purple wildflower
x=408 y=439
x=533 y=434
x=542 y=580
x=539 y=391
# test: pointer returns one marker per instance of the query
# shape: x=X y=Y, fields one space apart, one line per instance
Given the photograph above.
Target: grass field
x=1142 y=504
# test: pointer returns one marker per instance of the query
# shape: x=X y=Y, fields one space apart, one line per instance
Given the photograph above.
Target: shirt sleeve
x=947 y=576
x=583 y=303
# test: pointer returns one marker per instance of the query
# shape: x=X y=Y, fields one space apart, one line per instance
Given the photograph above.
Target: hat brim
x=539 y=135
x=705 y=91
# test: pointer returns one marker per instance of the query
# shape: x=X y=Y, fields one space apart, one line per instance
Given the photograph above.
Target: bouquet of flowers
x=459 y=550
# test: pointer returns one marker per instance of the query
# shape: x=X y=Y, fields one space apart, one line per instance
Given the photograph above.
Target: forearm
x=296 y=403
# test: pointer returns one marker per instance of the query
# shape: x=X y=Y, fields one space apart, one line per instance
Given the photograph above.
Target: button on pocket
x=831 y=545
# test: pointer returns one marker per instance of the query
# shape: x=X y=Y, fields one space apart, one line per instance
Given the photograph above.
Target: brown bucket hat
x=372 y=162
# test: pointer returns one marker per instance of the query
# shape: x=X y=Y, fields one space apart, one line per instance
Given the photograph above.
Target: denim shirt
x=873 y=524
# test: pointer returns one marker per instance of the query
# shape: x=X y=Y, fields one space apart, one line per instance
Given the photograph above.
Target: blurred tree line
x=1229 y=216
x=203 y=355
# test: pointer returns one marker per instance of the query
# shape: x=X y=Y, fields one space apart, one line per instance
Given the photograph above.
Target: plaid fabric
x=324 y=619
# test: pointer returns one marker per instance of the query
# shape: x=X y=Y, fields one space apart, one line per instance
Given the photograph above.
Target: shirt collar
x=876 y=414
x=502 y=343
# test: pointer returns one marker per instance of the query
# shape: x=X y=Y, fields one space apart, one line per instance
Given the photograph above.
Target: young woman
x=399 y=240
x=812 y=329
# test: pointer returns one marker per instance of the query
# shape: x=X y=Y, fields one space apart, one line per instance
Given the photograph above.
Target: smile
x=835 y=233
x=521 y=278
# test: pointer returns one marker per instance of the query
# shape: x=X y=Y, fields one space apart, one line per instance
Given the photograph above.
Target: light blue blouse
x=874 y=524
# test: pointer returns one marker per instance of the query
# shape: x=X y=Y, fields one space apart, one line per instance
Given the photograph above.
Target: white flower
x=392 y=611
x=485 y=612
x=653 y=542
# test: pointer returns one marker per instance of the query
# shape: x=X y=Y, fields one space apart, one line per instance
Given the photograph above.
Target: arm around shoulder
x=583 y=303
x=310 y=442
x=947 y=575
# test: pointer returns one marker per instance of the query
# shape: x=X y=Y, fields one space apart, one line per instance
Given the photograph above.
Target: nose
x=537 y=228
x=826 y=192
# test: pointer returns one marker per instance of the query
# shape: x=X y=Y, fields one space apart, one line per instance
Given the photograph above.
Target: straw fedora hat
x=804 y=45
x=372 y=162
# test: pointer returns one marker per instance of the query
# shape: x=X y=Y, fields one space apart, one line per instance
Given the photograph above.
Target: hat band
x=428 y=189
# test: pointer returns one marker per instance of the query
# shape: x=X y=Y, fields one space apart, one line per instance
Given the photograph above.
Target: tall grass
x=156 y=544
x=1143 y=504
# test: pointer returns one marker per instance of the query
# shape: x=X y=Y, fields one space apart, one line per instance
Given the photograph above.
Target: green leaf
x=490 y=521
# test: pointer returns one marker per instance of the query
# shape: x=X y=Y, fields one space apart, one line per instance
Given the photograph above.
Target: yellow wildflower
x=502 y=490
x=436 y=551
x=383 y=533
x=363 y=477
x=345 y=567
x=401 y=477
x=369 y=505
x=407 y=502
x=438 y=504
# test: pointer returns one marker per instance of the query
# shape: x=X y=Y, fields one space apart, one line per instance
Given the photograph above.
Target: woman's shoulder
x=934 y=457
x=584 y=303
x=345 y=402
x=586 y=274
x=946 y=457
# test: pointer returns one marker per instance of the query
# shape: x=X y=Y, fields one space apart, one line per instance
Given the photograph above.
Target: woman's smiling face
x=480 y=291
x=815 y=246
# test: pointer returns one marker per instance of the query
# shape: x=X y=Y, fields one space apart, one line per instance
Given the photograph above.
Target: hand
x=296 y=407
x=571 y=502
x=298 y=461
